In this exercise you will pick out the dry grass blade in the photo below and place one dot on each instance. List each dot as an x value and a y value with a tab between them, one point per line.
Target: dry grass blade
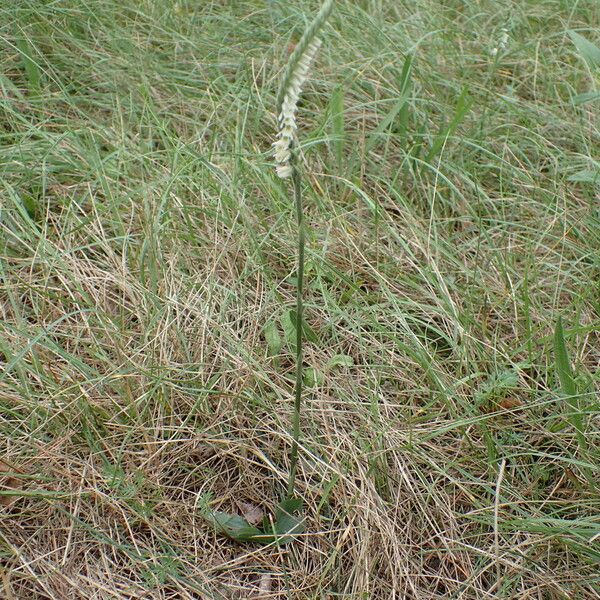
148	281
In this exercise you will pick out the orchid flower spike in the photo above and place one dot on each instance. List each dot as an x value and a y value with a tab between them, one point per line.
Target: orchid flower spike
294	78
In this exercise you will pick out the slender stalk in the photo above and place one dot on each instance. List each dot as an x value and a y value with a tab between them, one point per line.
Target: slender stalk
285	150
297	183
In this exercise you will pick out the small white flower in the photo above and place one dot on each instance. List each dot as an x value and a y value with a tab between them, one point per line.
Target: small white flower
287	117
502	42
284	171
282	150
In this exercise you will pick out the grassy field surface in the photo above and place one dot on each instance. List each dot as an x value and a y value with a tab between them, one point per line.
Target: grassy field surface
451	160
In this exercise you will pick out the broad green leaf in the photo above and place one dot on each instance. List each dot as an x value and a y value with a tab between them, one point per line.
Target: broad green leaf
288	323
588	50
586	176
313	377
289	329
233	526
281	530
30	205
307	330
290	505
286	523
32	69
567	382
272	338
340	360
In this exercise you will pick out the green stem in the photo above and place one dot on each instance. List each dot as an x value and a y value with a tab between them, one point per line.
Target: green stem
297	183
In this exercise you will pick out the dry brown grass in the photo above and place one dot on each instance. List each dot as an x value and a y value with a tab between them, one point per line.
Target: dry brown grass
145	243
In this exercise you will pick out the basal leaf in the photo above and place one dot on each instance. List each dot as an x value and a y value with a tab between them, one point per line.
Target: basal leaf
287	524
313	377
233	526
272	338
340	360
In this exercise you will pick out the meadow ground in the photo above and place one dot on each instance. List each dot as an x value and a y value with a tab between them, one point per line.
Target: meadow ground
147	273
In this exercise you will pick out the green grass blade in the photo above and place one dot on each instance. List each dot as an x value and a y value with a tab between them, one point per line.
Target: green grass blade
32	69
588	50
567	381
463	105
337	123
379	132
563	366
